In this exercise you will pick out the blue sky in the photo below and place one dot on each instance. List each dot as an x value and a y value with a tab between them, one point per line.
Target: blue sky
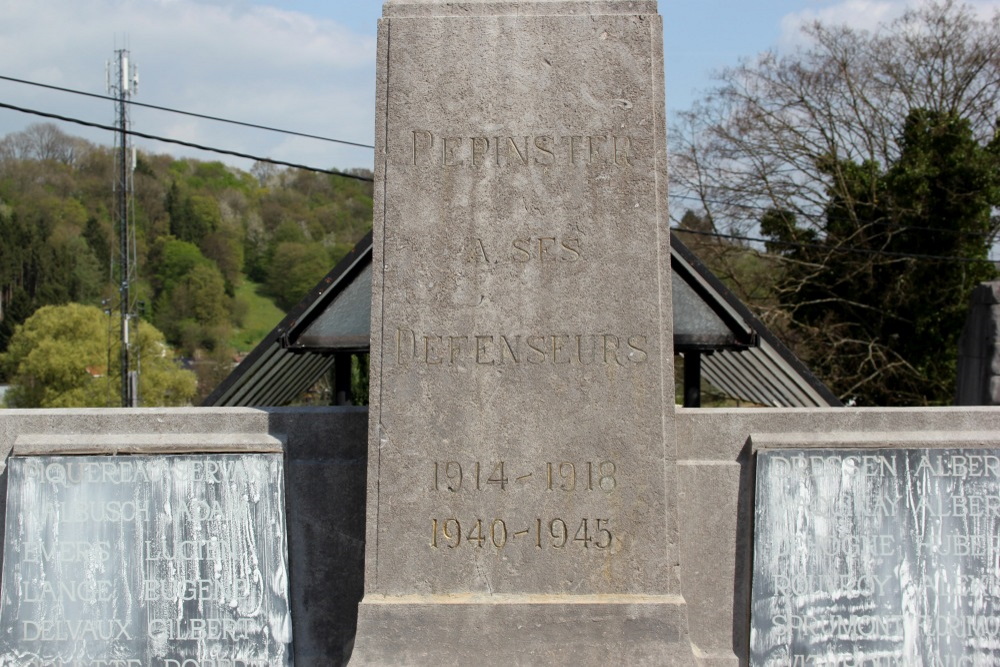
309	65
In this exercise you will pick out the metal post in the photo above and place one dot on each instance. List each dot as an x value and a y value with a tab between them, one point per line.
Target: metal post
122	84
123	226
692	379
342	379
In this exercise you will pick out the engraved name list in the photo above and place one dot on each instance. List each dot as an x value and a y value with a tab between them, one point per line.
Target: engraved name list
173	561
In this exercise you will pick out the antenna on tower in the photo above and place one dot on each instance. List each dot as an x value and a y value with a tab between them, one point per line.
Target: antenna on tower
123	82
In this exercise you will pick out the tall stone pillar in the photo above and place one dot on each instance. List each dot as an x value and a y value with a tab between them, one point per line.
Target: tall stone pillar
522	458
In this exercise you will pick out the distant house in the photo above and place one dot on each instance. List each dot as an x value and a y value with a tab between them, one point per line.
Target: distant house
720	340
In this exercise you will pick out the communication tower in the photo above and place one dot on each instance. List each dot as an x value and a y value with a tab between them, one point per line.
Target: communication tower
123	82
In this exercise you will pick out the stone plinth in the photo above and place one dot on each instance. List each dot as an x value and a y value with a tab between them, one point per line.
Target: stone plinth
521	469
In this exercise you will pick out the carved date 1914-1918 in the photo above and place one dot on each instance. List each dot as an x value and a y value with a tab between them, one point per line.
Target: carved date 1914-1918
543	533
565	476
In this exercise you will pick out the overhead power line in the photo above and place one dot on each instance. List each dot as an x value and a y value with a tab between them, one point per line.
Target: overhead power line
843	249
189	144
187	113
759	207
734	237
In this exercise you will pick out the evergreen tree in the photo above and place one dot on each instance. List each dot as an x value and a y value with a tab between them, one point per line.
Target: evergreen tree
900	251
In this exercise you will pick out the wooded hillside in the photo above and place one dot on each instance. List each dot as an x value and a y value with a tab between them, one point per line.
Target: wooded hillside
215	245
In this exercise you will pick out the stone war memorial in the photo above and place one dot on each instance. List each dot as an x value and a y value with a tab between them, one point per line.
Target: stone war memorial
523	489
520	469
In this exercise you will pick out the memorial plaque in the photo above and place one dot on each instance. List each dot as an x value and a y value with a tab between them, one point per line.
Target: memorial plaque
139	561
877	557
521	456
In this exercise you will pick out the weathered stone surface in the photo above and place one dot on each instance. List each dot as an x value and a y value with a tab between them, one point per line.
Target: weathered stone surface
716	471
145	560
876	556
325	471
524	630
325	464
522	381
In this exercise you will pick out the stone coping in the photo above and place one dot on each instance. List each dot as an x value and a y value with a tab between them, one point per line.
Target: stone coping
438	8
875	440
55	444
525	599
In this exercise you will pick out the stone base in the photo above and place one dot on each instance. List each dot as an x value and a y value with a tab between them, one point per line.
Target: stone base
523	630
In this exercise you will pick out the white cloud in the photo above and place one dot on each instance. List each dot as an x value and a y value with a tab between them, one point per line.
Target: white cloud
860	14
259	64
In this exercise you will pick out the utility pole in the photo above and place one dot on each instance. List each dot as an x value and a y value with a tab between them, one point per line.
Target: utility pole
123	81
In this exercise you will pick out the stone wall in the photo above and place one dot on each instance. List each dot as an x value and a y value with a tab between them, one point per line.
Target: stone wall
715	471
325	468
325	491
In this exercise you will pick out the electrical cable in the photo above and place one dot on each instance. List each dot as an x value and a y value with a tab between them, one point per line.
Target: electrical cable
185	113
736	237
179	142
844	249
359	145
758	207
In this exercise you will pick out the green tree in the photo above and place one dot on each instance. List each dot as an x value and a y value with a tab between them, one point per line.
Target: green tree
195	312
295	269
868	160
879	294
224	246
192	216
59	359
172	260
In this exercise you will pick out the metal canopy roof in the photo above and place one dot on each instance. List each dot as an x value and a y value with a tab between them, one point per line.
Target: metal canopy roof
764	372
739	355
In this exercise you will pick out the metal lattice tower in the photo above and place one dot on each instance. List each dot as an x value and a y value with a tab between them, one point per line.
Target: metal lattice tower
123	81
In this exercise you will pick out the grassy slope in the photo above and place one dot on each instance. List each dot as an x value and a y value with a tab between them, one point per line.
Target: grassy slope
261	316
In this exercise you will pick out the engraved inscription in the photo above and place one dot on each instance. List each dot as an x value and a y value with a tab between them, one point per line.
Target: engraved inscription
529	249
519	349
453	477
170	558
442	149
890	552
555	533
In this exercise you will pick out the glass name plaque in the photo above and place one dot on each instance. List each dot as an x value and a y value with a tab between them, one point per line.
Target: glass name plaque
876	557
136	561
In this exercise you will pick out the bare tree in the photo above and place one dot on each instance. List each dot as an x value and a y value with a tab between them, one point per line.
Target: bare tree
44	142
806	149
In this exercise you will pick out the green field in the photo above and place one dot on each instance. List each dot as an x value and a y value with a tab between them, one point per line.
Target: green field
259	317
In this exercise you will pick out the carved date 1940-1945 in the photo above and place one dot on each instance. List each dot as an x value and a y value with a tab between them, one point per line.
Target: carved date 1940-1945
542	533
565	476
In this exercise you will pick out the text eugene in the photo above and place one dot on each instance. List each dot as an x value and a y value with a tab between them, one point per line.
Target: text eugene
102	590
517	349
543	150
879	626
